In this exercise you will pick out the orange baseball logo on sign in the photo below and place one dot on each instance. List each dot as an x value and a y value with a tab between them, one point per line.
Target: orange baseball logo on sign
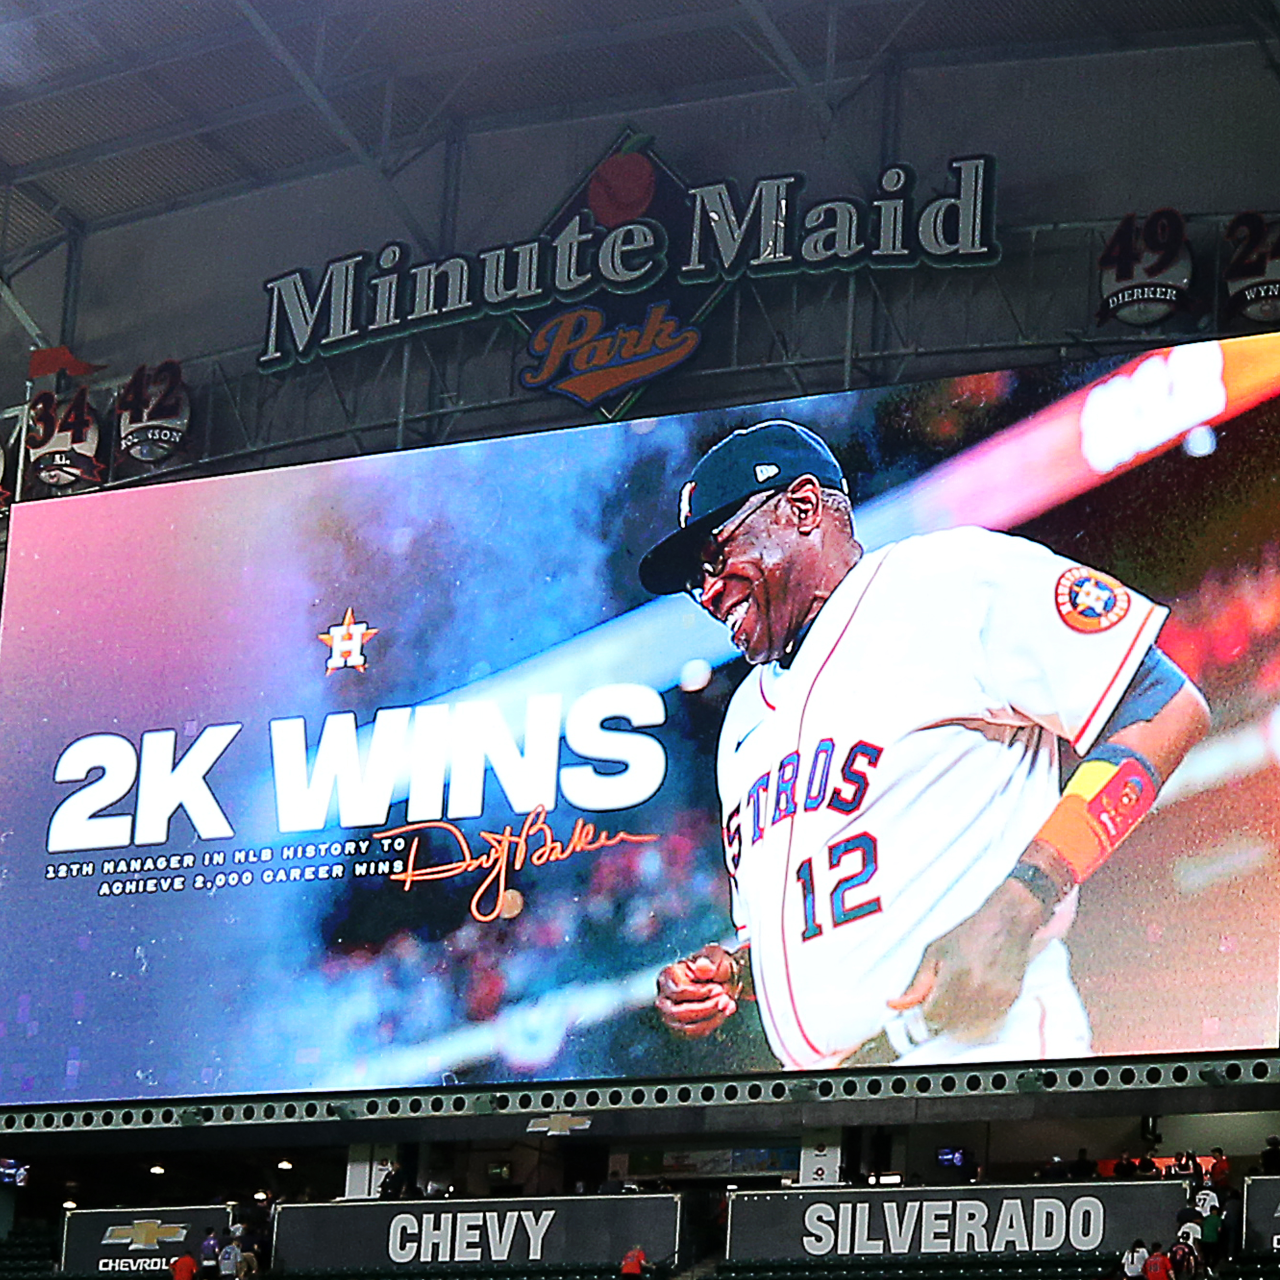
1090	601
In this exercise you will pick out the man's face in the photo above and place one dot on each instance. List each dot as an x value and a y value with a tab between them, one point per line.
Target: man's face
745	577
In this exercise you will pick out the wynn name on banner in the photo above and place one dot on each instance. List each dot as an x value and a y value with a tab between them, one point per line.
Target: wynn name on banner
953	1226
406	753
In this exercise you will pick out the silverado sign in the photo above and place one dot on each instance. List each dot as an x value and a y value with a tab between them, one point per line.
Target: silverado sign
841	1223
612	289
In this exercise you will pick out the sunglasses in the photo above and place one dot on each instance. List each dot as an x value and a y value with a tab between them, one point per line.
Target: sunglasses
713	559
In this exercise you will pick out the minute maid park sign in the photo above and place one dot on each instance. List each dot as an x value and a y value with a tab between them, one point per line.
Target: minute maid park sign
612	290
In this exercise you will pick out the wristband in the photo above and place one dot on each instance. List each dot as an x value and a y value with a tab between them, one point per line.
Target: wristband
1106	797
908	1030
1040	884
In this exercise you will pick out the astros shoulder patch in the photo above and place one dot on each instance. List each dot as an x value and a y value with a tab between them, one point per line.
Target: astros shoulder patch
1090	601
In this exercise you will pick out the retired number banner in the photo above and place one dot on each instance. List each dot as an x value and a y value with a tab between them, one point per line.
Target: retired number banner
775	1226
416	1234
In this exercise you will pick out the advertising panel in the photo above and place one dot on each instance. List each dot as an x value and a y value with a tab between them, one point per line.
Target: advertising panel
424	768
413	1235
1261	1215
778	1226
136	1240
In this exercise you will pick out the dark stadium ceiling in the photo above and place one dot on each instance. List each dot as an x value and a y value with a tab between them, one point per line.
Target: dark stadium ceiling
113	111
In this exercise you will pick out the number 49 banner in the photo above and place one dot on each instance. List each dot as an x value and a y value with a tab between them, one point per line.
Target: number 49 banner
1145	269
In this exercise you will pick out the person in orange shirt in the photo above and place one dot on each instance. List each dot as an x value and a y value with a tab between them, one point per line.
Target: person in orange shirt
1157	1265
184	1267
635	1263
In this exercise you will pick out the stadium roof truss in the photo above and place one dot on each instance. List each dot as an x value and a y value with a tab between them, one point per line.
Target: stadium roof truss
116	111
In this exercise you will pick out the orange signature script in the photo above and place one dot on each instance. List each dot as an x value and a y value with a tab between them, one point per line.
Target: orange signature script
507	851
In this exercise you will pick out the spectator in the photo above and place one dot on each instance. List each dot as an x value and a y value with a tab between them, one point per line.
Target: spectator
1205	1199
1232	1222
1147	1167
394	1183
1183	1257
184	1266
1133	1258
1269	1160
1157	1265
1125	1168
1219	1171
228	1258
209	1253
635	1263
1189	1219
1183	1166
1211	1238
1082	1169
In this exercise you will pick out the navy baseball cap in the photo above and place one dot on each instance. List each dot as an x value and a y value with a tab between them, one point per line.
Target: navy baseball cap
757	459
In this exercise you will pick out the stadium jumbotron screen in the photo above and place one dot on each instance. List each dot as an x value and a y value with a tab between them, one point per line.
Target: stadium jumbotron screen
389	772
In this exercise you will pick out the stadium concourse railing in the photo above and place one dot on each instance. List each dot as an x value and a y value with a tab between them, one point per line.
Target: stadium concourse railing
934	1085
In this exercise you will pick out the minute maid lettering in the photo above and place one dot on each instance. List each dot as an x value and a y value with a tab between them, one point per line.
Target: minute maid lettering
660	252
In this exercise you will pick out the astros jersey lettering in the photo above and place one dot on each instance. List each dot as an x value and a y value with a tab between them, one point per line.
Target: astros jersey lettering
876	792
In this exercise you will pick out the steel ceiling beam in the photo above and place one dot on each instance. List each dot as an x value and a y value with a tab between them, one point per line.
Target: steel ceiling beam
172	131
21	314
602	38
337	126
44	200
791	64
424	136
845	75
129	64
1263	17
883	54
39	15
29	256
1082	47
612	37
134	64
334	163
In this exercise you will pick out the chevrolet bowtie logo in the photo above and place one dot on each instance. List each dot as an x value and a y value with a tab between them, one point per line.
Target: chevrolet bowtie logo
147	1233
558	1125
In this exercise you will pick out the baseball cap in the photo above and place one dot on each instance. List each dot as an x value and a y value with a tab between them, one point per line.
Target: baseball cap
757	459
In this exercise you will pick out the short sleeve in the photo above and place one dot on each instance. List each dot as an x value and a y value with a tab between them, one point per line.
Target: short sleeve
1060	640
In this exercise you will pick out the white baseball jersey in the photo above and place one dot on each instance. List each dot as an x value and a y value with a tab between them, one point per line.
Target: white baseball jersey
877	791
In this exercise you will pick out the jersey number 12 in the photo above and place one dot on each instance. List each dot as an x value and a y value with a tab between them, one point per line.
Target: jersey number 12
862	846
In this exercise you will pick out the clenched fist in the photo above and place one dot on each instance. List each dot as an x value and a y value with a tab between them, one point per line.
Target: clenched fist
697	994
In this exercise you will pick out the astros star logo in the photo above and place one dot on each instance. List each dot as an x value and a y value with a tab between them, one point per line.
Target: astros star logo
1089	601
346	643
